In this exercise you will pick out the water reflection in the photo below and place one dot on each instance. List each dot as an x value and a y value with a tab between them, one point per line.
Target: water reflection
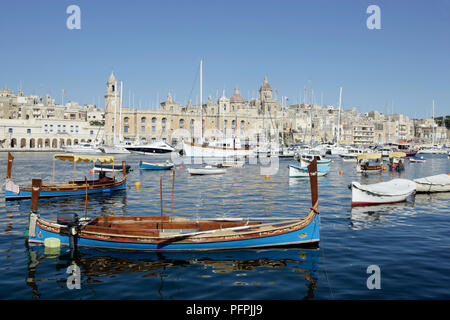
364	216
102	266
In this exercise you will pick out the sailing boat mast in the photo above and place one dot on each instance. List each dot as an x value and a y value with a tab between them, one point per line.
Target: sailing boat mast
339	117
432	132
201	102
120	112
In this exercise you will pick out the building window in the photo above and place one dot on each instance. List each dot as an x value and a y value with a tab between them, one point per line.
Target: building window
153	120
76	128
10	130
163	129
125	129
28	130
125	120
163	121
143	129
143	119
153	129
164	140
181	123
91	132
153	140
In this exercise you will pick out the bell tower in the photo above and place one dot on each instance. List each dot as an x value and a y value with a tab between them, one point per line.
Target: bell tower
111	105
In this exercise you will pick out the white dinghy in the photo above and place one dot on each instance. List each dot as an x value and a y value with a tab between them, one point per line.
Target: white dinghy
437	183
206	170
396	190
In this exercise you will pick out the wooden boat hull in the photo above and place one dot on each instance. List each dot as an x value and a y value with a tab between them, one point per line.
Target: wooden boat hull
369	170
52	191
154	166
364	195
304	233
300	172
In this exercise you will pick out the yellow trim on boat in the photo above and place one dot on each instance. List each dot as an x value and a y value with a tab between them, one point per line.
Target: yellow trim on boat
83	158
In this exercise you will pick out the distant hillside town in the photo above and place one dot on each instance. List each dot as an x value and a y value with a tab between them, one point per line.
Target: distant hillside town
33	123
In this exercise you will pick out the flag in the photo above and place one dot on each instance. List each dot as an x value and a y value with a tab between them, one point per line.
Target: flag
276	91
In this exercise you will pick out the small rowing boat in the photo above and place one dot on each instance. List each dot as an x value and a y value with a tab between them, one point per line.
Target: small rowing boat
110	168
205	171
103	184
417	159
155	166
301	172
396	190
436	183
167	233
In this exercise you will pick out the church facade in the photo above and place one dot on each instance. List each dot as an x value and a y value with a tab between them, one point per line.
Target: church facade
233	117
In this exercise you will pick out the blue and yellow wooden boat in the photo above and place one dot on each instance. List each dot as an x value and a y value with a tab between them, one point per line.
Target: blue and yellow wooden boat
164	233
103	184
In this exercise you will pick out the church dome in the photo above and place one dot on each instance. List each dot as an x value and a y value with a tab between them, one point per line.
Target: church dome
265	85
236	97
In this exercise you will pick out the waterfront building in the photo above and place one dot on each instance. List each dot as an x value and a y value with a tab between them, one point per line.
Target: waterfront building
38	124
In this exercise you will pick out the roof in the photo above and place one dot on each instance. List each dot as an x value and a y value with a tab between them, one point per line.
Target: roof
397	155
367	156
236	97
83	158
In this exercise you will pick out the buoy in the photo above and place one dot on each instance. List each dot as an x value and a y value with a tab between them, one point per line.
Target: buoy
341	172
332	161
91	171
181	167
52	243
171	174
267	176
384	168
137	184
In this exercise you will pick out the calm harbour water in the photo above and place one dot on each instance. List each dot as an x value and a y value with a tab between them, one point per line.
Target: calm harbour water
410	242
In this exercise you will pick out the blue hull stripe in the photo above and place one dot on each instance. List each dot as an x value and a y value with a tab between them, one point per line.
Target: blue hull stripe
308	235
48	194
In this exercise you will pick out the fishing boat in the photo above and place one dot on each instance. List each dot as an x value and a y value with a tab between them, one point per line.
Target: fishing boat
205	171
168	233
103	184
417	159
406	148
351	154
397	161
396	190
306	159
110	168
369	163
155	166
301	172
436	183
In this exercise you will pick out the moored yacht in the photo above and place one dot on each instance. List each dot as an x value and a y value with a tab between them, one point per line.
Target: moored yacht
159	147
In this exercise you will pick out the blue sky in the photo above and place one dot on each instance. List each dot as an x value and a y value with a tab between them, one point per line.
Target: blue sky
155	47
